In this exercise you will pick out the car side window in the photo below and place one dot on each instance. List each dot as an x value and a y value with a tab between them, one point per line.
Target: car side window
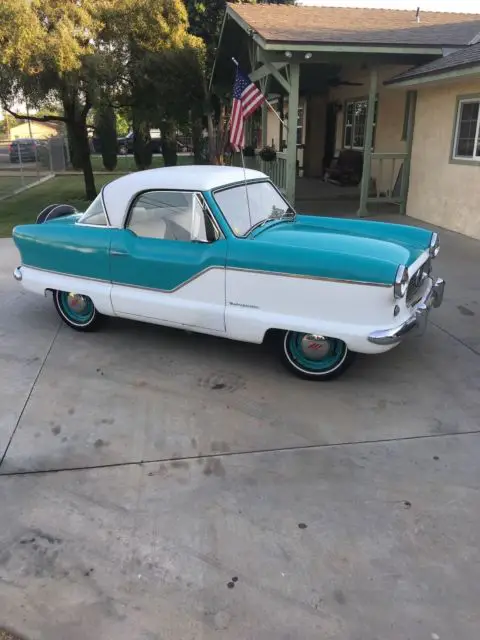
170	215
95	214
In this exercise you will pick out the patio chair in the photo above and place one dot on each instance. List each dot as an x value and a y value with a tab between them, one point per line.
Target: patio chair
347	169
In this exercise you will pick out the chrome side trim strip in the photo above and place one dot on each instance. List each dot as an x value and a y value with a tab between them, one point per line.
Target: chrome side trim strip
204	271
308	277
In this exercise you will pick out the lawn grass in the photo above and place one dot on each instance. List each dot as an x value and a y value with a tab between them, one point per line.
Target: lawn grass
24	207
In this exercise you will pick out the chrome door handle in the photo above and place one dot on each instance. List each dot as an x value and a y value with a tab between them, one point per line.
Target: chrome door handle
118	253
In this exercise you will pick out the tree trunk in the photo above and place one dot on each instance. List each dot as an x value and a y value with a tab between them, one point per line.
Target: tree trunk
107	133
142	148
73	148
198	140
82	137
76	120
169	143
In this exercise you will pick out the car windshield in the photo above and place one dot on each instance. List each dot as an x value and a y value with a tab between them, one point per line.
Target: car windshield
246	207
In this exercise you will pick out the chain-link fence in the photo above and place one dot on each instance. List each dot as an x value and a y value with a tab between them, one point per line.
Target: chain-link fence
26	161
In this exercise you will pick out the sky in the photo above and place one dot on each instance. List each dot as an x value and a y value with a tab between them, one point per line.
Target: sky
460	6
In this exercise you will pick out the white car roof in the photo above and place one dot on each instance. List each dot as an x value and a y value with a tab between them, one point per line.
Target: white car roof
117	195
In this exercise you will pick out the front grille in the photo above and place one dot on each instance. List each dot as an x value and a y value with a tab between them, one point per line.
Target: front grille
416	282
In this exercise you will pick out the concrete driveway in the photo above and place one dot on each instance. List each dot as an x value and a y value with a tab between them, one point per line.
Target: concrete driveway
161	485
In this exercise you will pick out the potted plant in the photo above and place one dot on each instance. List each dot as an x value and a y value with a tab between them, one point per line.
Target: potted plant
268	154
249	151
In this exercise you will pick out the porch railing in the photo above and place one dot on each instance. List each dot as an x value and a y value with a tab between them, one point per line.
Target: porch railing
390	178
276	170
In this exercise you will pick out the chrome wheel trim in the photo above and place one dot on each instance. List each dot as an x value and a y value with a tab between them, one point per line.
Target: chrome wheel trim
313	374
68	318
76	302
315	347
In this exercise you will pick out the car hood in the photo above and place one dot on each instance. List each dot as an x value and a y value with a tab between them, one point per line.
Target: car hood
358	250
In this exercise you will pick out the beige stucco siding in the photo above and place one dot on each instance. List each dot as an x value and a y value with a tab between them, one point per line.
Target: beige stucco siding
441	192
391	106
390	118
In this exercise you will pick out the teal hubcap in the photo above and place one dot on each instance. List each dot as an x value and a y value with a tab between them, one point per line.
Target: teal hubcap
315	353
76	307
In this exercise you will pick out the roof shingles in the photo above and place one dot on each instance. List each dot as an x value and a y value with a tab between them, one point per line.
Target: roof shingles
465	58
323	25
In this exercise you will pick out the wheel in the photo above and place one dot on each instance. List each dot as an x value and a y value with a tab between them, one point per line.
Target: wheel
315	357
76	310
122	150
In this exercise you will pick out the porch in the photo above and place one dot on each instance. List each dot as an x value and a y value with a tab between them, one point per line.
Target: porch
314	195
325	100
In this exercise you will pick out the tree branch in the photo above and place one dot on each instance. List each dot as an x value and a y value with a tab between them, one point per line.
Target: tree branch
46	118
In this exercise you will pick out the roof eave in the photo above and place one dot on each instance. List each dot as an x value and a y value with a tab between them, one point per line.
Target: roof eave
245	26
352	47
430	77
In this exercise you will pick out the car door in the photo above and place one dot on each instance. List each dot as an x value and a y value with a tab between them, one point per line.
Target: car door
168	263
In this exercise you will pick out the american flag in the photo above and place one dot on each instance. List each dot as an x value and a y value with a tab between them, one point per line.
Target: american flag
246	99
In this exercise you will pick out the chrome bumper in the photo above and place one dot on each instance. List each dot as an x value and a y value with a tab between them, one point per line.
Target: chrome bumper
417	323
17	274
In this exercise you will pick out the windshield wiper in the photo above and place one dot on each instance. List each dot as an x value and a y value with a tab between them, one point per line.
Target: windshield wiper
289	213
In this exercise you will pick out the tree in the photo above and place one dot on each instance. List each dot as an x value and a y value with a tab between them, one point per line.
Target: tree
49	51
107	133
158	64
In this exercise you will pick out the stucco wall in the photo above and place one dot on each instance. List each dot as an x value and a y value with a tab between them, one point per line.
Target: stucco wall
440	192
391	106
273	128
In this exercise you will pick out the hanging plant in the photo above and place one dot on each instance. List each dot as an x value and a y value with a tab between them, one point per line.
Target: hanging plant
249	152
268	154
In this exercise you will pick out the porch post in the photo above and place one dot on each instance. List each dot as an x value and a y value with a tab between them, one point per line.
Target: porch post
293	98
264	88
367	151
412	105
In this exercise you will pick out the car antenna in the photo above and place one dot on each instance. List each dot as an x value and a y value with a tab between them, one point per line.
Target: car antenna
246	188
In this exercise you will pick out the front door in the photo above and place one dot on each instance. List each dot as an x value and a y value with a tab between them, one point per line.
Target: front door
168	263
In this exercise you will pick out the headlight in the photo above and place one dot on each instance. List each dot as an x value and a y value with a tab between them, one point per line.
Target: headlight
401	282
434	245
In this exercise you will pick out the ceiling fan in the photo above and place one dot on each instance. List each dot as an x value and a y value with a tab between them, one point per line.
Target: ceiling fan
338	82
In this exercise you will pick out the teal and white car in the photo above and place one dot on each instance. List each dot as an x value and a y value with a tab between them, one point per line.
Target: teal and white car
220	251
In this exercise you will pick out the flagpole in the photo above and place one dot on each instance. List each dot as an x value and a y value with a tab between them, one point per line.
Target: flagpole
269	104
246	186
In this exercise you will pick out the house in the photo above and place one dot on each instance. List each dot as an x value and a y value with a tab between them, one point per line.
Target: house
400	88
37	130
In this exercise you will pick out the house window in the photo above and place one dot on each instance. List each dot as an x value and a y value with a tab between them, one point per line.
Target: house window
355	124
467	131
300	125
